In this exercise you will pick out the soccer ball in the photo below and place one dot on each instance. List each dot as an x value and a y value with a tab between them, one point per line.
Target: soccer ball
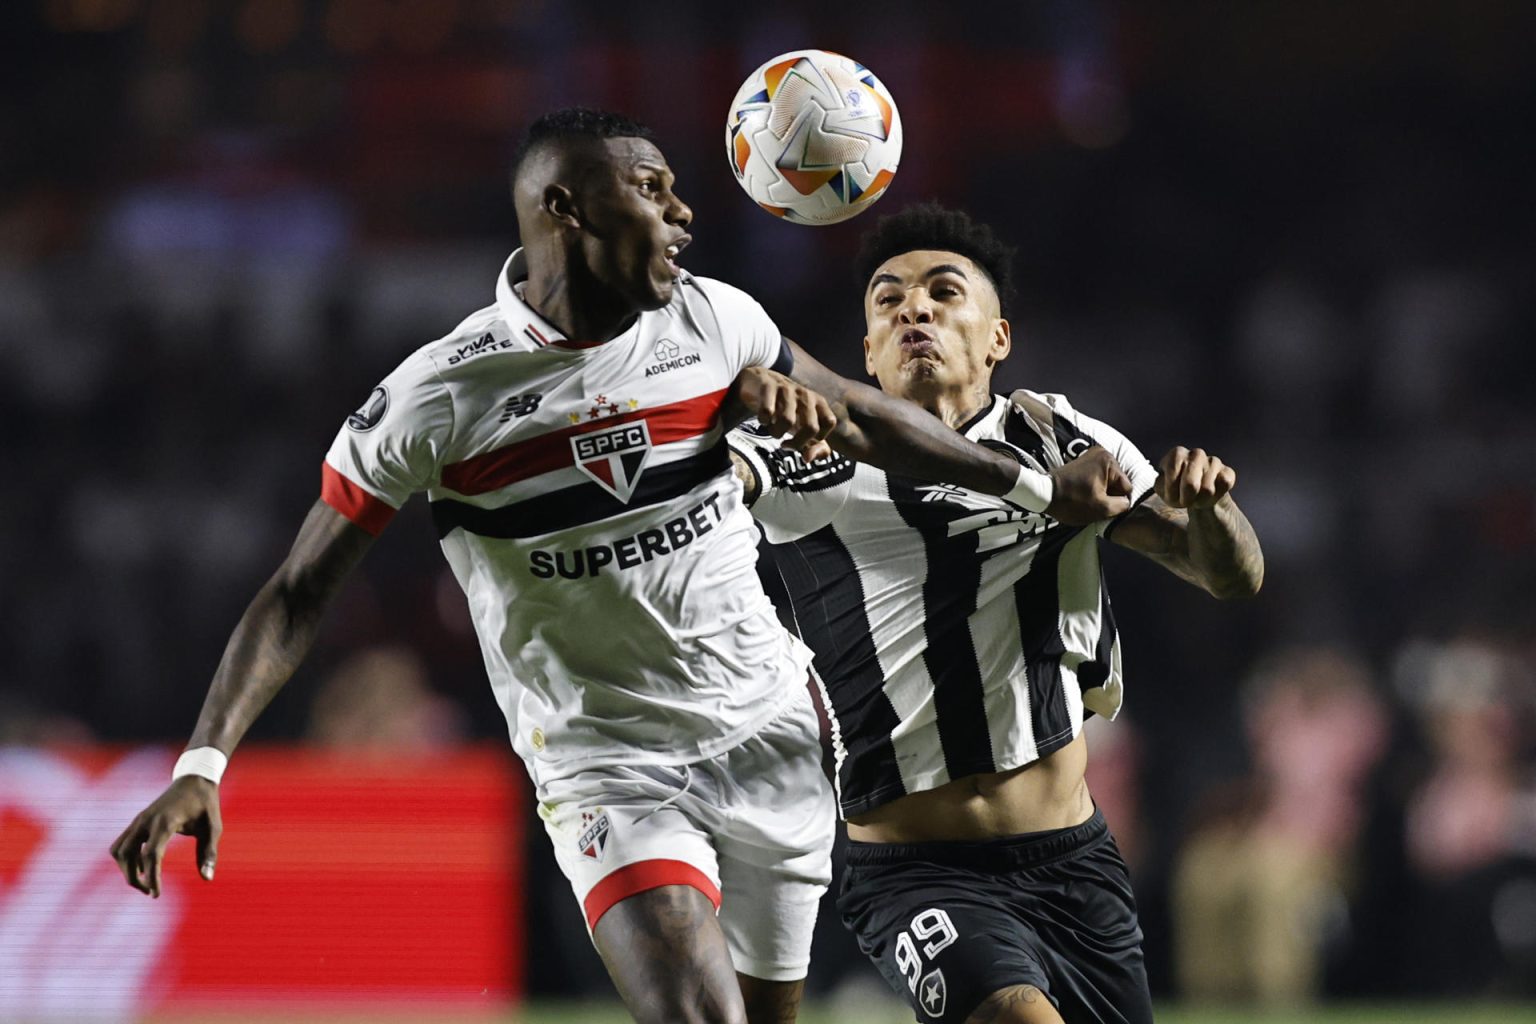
813	137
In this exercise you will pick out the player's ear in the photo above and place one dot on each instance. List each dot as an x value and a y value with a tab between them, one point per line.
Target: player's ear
869	358
560	203
1002	341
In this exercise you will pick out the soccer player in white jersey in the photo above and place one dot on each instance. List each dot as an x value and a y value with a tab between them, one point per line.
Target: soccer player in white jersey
570	440
962	639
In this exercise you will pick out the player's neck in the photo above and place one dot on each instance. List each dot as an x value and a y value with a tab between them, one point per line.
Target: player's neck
956	408
575	303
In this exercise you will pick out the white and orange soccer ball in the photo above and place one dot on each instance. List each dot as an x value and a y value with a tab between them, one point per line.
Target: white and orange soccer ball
813	137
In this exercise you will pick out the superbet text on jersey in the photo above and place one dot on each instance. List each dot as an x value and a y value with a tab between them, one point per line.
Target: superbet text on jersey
583	496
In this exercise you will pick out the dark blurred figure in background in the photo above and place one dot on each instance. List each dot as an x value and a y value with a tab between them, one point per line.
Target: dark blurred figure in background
1262	882
1470	827
380	700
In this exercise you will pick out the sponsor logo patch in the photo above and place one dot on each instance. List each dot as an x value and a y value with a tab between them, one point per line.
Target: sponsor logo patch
614	457
628	552
593	840
485	343
372	411
670	356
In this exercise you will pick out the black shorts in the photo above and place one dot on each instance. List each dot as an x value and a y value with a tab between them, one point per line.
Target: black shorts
949	923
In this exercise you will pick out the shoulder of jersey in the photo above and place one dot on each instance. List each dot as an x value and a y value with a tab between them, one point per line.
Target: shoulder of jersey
714	291
1019	399
481	336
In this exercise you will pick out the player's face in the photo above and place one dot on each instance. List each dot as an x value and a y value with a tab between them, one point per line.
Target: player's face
634	225
933	325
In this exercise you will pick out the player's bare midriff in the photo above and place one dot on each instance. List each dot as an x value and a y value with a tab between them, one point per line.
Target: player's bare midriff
1044	794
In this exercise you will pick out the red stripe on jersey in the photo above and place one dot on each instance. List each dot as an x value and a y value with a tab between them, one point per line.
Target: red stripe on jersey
823	729
522	460
353	502
642	876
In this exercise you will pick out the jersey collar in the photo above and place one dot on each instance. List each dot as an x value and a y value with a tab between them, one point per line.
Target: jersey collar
524	322
520	317
983	414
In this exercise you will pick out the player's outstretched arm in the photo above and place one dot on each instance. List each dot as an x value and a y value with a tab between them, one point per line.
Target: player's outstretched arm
901	437
1191	526
784	407
270	641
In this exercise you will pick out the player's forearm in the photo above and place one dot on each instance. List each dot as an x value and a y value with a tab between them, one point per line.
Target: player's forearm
1224	551
279	627
902	438
268	645
743	472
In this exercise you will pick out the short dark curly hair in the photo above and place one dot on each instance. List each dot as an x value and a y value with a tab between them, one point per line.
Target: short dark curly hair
933	226
577	122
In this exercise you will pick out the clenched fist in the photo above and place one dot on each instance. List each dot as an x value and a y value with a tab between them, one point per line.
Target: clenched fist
1192	479
1090	488
783	406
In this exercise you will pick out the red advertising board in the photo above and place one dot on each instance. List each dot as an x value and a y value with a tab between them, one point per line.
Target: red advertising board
343	881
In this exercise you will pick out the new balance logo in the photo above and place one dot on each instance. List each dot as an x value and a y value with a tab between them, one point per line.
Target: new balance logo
520	406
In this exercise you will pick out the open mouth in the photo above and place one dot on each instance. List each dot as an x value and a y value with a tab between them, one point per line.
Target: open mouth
672	251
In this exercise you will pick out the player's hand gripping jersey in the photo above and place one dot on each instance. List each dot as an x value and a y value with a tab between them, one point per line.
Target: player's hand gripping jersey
583	497
956	633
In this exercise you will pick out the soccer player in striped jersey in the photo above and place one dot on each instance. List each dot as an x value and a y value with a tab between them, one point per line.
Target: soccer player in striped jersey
570	439
962	639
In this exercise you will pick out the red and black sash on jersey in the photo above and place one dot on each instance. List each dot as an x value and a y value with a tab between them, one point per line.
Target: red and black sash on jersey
580	504
592	500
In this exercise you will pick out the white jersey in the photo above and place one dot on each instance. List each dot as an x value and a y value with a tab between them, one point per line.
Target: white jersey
584	500
955	632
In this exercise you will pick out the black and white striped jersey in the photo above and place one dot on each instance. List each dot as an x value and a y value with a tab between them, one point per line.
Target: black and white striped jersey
954	632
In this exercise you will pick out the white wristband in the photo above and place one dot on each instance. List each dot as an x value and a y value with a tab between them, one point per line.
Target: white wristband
1034	490
206	762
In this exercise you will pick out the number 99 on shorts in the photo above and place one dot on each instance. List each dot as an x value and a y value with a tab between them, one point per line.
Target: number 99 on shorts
936	932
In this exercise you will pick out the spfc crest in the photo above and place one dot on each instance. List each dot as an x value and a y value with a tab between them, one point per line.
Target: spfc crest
614	456
593	840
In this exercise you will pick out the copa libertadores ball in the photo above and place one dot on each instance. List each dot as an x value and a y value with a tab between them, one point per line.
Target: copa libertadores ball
813	137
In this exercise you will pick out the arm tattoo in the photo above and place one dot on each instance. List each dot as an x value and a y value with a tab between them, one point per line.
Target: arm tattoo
1215	549
1225	550
748	479
996	1007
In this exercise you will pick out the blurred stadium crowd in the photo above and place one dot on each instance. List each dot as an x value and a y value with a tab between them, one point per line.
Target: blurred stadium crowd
1295	235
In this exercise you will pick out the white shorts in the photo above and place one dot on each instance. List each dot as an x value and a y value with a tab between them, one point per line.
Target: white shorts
750	828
